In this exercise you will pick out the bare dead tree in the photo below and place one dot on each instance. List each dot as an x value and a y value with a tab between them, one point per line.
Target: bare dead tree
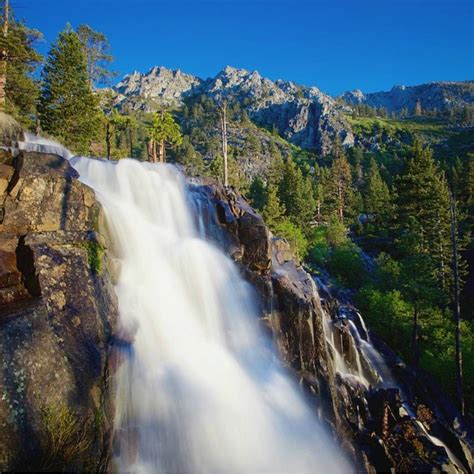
457	307
4	54
223	117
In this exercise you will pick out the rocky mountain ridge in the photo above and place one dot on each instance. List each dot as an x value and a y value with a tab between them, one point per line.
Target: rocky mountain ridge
440	96
305	116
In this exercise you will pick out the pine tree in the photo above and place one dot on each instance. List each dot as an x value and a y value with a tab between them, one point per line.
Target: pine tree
258	193
164	131
273	210
296	194
68	109
340	195
377	195
114	122
356	160
190	158
21	61
96	49
465	194
423	212
277	165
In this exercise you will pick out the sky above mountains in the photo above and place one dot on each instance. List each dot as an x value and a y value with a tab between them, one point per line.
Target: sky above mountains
337	45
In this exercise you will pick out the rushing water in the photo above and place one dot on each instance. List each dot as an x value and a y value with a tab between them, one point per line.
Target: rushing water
198	390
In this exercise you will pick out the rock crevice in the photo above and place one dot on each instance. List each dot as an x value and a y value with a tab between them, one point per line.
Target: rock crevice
57	318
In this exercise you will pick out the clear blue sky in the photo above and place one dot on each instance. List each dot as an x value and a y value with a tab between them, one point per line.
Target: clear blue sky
336	45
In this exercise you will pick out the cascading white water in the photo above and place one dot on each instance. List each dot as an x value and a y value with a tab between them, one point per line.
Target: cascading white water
43	145
198	390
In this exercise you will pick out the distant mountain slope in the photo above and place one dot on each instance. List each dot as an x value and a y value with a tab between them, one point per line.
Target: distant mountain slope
439	96
303	115
171	87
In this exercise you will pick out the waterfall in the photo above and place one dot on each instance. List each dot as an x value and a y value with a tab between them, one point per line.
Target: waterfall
34	143
199	389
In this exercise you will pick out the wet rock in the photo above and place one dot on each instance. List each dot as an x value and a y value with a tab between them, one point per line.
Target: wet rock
57	317
10	132
382	429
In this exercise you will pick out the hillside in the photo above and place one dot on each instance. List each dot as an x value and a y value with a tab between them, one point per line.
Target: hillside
307	117
439	96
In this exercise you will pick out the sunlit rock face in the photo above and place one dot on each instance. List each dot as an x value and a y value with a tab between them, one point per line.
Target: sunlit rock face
303	115
57	314
438	96
168	87
386	415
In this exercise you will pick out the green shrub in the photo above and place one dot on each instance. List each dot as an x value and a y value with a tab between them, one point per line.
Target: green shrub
346	265
67	438
389	315
336	234
294	236
95	254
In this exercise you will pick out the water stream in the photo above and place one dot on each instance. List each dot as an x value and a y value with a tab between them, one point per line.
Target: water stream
198	389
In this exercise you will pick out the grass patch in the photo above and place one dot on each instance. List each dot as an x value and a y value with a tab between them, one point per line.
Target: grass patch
429	127
66	438
95	256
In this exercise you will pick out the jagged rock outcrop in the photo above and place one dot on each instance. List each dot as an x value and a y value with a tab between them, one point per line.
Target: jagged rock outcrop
304	116
57	315
166	86
440	96
382	426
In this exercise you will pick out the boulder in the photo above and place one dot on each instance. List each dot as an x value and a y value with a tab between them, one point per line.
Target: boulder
57	318
371	423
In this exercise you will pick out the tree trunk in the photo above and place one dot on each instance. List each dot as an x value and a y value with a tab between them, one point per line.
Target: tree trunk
414	338
224	141
457	308
162	152
152	151
130	138
107	139
3	58
340	210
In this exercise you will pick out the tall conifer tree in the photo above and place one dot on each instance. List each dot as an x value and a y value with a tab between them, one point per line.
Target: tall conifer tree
68	108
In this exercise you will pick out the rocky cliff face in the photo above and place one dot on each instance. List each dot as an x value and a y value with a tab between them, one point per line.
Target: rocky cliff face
304	116
401	425
439	96
57	314
166	86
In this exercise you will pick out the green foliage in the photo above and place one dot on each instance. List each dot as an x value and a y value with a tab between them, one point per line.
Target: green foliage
68	109
66	438
377	203
296	194
294	235
422	218
347	266
388	315
23	60
96	49
431	128
340	196
257	193
164	128
336	234
273	211
95	256
190	158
